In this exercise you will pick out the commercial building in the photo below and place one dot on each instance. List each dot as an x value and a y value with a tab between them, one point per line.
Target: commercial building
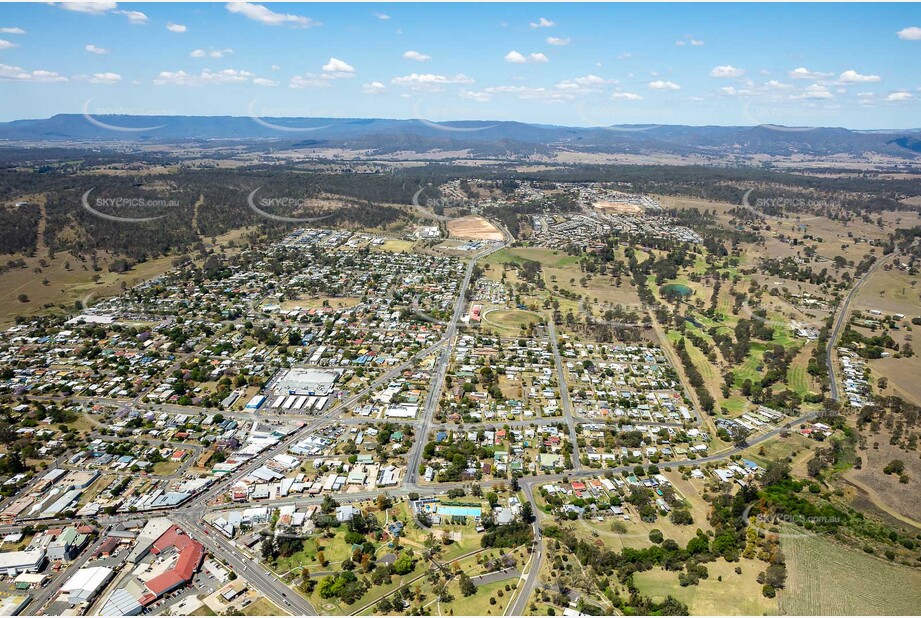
12	563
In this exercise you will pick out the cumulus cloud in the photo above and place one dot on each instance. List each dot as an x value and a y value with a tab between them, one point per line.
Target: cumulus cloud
543	22
95	50
557	41
481	97
726	71
663	85
205	78
804	73
95	8
382	16
627	96
214	53
177	28
262	81
373	88
4	44
815	91
430	81
336	68
263	15
417	56
853	77
16	74
12	31
900	96
912	33
517	58
105	78
135	17
776	85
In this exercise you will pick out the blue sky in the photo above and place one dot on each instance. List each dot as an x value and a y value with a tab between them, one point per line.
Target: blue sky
851	65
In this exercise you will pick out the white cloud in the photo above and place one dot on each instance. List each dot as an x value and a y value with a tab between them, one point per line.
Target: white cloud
374	88
261	81
430	81
776	85
275	67
258	12
516	58
543	22
95	8
804	73
557	41
12	31
382	16
726	71
732	91
473	95
105	78
697	43
16	74
624	56
177	28
135	17
912	33
853	77
815	91
310	80
336	68
680	43
417	56
205	78
627	96
4	44
95	50
663	85
900	96
214	53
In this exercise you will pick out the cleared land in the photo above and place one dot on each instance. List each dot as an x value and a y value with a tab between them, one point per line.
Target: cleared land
474	228
825	578
736	594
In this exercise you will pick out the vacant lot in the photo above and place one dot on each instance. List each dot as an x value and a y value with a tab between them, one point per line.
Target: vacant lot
825	578
902	374
736	594
473	227
886	488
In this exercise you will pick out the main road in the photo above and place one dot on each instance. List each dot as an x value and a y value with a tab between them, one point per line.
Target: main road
841	318
441	368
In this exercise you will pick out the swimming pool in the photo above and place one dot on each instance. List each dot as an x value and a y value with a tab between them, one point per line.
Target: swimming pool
459	511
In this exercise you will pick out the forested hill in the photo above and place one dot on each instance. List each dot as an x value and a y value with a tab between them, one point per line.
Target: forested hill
487	137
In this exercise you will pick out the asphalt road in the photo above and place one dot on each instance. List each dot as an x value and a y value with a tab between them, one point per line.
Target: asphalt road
564	396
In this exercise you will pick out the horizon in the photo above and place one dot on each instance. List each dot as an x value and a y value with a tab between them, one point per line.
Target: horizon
574	65
467	120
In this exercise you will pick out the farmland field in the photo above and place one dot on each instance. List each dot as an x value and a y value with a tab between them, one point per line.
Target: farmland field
825	578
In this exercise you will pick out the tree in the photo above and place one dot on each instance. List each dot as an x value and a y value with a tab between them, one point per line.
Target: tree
403	564
467	587
896	466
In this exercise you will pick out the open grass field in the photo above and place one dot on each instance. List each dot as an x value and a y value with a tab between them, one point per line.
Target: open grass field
736	594
902	374
474	228
511	319
826	578
394	245
336	302
263	607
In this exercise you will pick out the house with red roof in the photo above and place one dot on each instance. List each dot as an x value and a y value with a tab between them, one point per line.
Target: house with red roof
191	553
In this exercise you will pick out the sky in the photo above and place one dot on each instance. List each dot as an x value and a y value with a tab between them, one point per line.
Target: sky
849	65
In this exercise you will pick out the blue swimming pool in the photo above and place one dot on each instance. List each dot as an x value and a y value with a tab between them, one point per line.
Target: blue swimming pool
459	511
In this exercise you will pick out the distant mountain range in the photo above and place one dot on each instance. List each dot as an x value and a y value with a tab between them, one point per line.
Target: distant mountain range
481	137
